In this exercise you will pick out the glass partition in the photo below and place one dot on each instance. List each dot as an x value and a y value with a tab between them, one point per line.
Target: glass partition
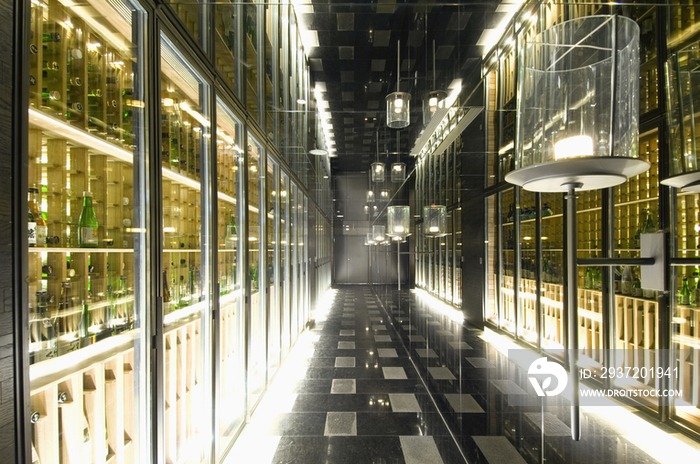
87	281
257	357
285	271
185	134
231	388
250	49
273	266
227	47
293	262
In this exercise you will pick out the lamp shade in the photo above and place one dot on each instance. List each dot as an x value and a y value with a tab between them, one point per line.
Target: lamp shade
369	240
578	106
398	110
378	172
398	172
370	196
378	233
435	221
683	77
433	101
398	221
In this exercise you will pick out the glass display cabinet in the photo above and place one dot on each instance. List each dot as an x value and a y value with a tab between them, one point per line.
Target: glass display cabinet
115	137
87	232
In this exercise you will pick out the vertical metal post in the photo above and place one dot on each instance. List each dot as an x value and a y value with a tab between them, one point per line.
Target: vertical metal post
572	303
398	259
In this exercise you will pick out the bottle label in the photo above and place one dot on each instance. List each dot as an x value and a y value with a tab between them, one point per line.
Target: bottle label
31	233
88	236
41	236
626	287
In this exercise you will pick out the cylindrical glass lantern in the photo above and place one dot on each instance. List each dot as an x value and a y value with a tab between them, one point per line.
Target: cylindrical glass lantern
433	101
377	172
369	240
435	221
370	196
398	172
378	233
398	110
398	221
578	111
683	77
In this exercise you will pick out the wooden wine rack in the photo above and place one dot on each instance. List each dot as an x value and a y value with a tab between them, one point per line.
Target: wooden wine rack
98	395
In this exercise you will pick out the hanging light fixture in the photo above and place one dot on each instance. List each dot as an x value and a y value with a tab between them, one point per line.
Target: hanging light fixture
370	196
398	104
435	221
369	241
378	172
398	172
434	100
578	129
398	221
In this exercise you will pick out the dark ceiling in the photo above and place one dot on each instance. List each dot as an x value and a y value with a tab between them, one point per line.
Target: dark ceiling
356	64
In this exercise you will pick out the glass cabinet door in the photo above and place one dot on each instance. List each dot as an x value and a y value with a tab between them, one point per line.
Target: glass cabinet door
251	49
285	273
87	254
256	261
231	389
508	260
185	133
293	260
273	266
226	42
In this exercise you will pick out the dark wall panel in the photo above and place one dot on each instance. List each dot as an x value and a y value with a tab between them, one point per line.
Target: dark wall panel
350	260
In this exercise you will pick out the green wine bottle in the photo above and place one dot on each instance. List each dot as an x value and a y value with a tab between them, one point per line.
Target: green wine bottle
684	297
87	224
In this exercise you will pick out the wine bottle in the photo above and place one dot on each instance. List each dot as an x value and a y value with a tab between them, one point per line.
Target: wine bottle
50	37
684	296
588	278
87	224
36	220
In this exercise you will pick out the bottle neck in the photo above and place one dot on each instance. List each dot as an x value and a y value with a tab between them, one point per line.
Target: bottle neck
87	202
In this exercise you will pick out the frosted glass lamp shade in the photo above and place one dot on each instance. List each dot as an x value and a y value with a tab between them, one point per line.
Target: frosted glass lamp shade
433	101
683	77
398	221
398	110
435	221
368	239
378	233
398	172
370	196
578	111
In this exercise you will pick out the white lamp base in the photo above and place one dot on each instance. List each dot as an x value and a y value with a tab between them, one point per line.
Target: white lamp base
689	182
592	172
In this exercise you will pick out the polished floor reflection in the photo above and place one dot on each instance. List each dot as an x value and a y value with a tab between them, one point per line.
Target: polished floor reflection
356	390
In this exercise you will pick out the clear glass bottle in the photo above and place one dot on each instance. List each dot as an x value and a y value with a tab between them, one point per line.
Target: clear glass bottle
626	281
37	224
87	224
